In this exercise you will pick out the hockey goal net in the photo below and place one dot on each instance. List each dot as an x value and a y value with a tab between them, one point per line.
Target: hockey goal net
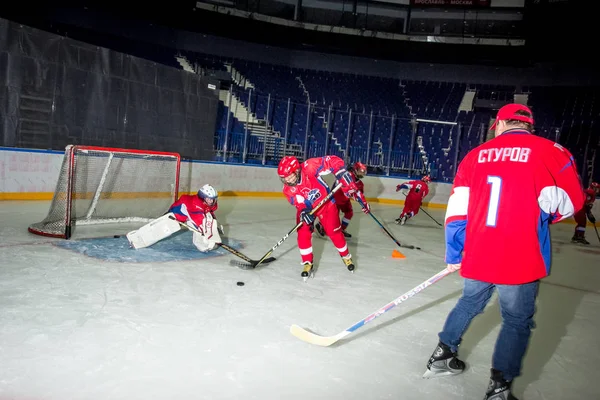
109	185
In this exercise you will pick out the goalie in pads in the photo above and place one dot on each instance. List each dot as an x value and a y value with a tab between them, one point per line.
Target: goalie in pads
196	211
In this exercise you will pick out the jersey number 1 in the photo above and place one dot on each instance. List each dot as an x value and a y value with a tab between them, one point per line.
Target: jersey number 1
492	214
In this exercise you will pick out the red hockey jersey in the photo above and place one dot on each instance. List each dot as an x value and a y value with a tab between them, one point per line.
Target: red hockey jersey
193	208
416	189
311	188
505	194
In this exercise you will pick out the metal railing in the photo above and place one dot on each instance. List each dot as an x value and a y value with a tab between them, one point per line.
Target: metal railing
262	128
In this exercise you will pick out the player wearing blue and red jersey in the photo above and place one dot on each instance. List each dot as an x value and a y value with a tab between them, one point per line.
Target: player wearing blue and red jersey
195	207
304	188
198	211
505	195
195	211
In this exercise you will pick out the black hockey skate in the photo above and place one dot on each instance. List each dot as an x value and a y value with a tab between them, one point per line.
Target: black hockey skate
580	240
498	388
346	234
401	220
443	362
320	229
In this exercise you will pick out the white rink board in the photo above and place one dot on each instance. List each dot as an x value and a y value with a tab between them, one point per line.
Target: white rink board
36	172
29	172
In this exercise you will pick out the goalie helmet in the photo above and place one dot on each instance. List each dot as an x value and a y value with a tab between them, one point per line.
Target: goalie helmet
208	194
289	165
360	169
426	179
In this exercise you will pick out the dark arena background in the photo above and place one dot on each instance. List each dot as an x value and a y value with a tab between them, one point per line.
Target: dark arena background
400	86
406	87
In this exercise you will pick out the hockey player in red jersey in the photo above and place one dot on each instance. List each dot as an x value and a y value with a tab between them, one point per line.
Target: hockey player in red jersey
357	171
417	191
196	211
585	213
515	177
304	187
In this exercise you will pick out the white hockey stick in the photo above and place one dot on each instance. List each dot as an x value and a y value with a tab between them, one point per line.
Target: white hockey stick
325	341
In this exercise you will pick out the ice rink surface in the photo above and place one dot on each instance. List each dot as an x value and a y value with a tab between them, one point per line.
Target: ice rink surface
90	320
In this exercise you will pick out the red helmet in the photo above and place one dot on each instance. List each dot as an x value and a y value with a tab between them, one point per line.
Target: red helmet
426	179
287	166
595	187
359	169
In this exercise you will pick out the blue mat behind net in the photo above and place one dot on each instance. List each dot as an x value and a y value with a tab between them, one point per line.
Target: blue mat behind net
177	247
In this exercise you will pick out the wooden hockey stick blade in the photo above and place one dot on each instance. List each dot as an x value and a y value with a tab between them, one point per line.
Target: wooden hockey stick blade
312	338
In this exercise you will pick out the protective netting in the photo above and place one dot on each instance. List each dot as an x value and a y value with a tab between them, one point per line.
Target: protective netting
55	91
103	185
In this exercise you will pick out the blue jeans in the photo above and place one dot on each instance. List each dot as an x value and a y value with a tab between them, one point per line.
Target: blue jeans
517	306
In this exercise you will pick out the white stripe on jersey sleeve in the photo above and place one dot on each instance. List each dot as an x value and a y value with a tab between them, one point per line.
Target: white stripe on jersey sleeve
458	203
556	202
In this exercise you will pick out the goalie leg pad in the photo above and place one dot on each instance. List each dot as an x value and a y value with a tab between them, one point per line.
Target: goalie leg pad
153	232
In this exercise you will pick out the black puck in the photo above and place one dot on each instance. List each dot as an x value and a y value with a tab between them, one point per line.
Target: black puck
240	283
117	236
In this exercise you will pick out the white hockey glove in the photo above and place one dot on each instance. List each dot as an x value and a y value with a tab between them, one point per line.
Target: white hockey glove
453	267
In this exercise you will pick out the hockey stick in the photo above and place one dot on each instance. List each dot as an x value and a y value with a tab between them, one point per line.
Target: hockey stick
386	231
254	264
325	341
596	229
223	246
426	213
434	220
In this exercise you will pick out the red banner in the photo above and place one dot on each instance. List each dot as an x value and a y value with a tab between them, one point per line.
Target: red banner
450	3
